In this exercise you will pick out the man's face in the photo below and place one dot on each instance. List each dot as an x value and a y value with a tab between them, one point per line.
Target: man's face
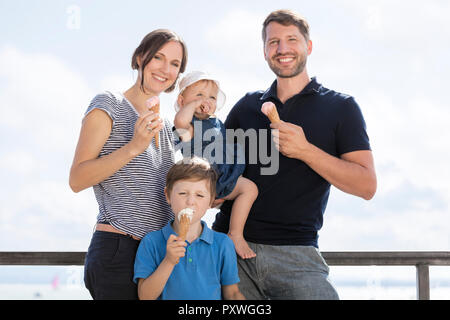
286	50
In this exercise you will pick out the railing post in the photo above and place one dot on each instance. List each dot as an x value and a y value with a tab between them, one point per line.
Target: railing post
423	281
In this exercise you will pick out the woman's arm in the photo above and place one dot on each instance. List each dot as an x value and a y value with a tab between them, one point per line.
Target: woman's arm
87	169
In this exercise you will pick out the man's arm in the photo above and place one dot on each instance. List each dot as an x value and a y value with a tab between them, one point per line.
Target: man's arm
353	172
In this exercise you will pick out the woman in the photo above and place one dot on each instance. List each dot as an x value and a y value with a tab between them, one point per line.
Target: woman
117	155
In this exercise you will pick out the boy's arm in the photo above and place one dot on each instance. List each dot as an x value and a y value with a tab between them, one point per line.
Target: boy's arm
231	292
151	287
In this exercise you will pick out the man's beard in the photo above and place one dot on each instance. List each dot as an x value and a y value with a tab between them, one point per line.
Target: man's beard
288	73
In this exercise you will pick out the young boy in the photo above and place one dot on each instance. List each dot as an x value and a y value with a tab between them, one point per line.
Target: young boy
204	266
199	97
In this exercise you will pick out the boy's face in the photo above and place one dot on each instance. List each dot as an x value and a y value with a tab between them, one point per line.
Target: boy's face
202	90
190	194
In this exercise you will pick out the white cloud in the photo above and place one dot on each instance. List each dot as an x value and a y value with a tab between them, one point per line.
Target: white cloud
43	101
406	219
46	215
18	162
116	82
409	134
393	21
389	230
410	209
237	36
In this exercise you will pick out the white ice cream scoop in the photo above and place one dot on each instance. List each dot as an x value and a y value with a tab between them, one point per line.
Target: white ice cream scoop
187	212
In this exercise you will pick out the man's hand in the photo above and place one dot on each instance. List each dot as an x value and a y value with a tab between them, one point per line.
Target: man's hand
290	139
352	172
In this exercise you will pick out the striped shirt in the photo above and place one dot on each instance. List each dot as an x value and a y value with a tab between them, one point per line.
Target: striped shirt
132	199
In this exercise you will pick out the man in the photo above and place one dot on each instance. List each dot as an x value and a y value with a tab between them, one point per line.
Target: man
322	141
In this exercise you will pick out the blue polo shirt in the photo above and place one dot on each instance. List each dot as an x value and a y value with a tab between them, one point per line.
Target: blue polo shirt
291	203
209	263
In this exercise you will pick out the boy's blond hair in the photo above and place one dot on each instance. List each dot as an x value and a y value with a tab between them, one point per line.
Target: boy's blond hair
194	169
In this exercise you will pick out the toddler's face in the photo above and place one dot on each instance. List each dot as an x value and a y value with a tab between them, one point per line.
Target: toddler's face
190	194
207	92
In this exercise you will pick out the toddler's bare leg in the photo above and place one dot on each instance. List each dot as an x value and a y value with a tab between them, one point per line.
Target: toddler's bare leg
244	194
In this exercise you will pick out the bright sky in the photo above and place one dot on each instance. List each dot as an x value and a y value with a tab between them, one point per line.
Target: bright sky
392	56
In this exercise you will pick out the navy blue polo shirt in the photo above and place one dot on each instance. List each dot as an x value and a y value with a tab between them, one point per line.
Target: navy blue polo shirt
291	203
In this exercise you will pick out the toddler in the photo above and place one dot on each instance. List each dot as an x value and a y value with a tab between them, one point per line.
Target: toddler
199	97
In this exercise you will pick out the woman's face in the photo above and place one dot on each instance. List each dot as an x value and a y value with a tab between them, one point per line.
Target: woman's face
162	71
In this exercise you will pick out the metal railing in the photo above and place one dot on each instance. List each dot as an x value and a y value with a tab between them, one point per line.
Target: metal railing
420	259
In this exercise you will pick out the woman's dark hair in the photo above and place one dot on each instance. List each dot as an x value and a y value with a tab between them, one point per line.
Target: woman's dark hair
150	45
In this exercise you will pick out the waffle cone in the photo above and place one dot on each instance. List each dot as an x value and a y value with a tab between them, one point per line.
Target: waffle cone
156	110
184	226
273	116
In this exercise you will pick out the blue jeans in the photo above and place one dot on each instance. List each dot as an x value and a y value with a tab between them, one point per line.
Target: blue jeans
286	273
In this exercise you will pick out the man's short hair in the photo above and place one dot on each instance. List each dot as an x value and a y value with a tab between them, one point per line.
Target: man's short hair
194	169
287	18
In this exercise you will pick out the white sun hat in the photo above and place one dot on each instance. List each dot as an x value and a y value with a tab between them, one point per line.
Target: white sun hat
193	77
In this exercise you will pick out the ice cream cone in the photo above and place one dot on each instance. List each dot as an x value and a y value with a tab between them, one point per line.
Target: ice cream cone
156	110
153	103
270	110
184	226
184	218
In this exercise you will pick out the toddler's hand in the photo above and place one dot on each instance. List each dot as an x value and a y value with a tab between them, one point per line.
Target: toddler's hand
194	105
205	108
